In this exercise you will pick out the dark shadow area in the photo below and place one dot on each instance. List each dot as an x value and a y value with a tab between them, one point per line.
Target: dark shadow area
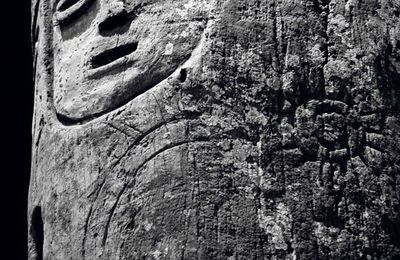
37	232
16	121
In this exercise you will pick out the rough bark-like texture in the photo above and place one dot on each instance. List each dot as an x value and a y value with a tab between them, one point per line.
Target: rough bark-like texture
216	129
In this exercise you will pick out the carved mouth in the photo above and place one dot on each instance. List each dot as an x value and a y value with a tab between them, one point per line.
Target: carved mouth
112	55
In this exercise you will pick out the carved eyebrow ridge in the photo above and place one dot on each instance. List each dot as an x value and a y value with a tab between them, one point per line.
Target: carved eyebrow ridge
68	10
65	4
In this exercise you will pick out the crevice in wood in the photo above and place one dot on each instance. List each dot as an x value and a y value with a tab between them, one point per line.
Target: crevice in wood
37	232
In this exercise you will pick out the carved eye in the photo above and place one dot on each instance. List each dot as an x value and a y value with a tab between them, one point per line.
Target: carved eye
69	10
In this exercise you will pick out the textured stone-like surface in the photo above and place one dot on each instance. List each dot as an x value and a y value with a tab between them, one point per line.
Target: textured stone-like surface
221	129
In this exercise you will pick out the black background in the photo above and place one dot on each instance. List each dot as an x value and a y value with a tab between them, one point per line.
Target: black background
17	107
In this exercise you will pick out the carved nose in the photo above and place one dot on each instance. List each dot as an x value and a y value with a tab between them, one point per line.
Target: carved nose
116	21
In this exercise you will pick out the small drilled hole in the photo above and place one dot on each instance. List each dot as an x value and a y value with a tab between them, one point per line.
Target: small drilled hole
183	75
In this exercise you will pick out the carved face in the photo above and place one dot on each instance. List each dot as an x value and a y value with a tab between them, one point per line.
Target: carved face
109	51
